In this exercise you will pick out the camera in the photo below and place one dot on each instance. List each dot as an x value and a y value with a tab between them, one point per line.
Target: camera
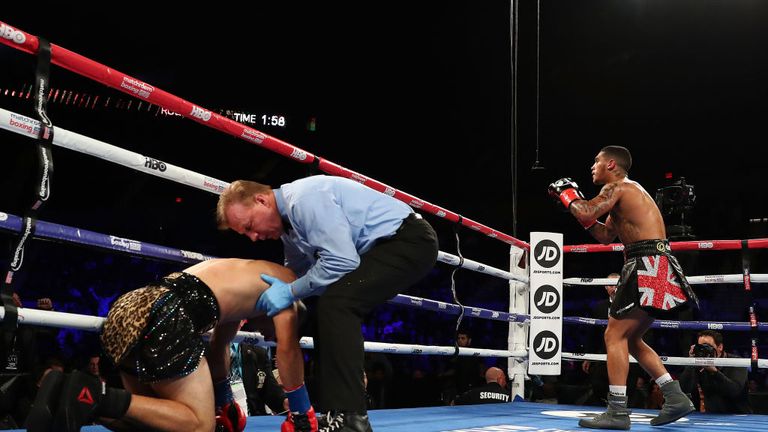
703	350
676	203
677	198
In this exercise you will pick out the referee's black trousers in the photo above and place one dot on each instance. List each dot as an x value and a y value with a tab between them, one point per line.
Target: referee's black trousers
387	269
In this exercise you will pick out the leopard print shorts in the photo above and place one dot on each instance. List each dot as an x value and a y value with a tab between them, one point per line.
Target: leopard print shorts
127	320
155	333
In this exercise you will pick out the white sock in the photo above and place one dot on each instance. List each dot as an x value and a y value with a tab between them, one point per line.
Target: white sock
617	390
663	379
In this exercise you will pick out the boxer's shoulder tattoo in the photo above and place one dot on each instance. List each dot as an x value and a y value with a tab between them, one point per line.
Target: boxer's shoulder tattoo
608	190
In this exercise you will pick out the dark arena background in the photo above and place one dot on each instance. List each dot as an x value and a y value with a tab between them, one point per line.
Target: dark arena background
447	101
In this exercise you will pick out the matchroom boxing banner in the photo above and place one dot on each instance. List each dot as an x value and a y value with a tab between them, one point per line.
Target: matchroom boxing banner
546	304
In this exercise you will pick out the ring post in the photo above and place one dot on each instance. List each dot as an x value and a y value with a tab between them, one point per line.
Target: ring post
518	331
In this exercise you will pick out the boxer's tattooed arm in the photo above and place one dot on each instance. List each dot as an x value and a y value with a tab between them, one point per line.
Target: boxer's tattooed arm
597	206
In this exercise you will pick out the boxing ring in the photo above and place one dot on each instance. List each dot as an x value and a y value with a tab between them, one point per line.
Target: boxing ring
519	416
523	416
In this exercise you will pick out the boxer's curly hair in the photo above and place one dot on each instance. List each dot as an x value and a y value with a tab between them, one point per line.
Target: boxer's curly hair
620	154
239	191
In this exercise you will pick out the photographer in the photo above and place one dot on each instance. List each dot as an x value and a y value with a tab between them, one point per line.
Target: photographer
715	389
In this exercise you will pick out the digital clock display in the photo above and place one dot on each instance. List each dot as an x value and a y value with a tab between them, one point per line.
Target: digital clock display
273	120
257	120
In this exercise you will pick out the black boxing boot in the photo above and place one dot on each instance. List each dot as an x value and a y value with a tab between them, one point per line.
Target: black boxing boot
616	416
84	398
347	422
41	413
676	404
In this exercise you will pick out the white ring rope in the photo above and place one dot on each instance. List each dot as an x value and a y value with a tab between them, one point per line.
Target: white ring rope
479	267
58	319
29	127
94	324
693	280
392	348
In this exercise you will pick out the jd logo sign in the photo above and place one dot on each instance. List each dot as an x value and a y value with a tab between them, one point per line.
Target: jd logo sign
547	253
546	299
546	345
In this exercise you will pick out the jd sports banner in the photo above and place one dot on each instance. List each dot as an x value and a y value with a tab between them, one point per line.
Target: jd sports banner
546	304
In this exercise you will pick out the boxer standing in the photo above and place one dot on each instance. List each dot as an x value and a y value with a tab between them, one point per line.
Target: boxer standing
651	283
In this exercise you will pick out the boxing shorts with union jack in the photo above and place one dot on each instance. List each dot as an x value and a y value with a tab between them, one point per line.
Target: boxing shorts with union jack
652	280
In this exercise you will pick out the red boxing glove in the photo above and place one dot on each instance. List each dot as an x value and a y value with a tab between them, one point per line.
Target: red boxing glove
230	418
565	191
306	422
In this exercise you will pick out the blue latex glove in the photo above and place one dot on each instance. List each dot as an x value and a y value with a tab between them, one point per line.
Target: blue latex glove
276	298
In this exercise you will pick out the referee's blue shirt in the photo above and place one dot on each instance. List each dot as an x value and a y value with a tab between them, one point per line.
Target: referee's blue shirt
331	222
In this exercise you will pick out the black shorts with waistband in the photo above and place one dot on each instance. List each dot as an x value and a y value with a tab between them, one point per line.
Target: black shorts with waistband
652	280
